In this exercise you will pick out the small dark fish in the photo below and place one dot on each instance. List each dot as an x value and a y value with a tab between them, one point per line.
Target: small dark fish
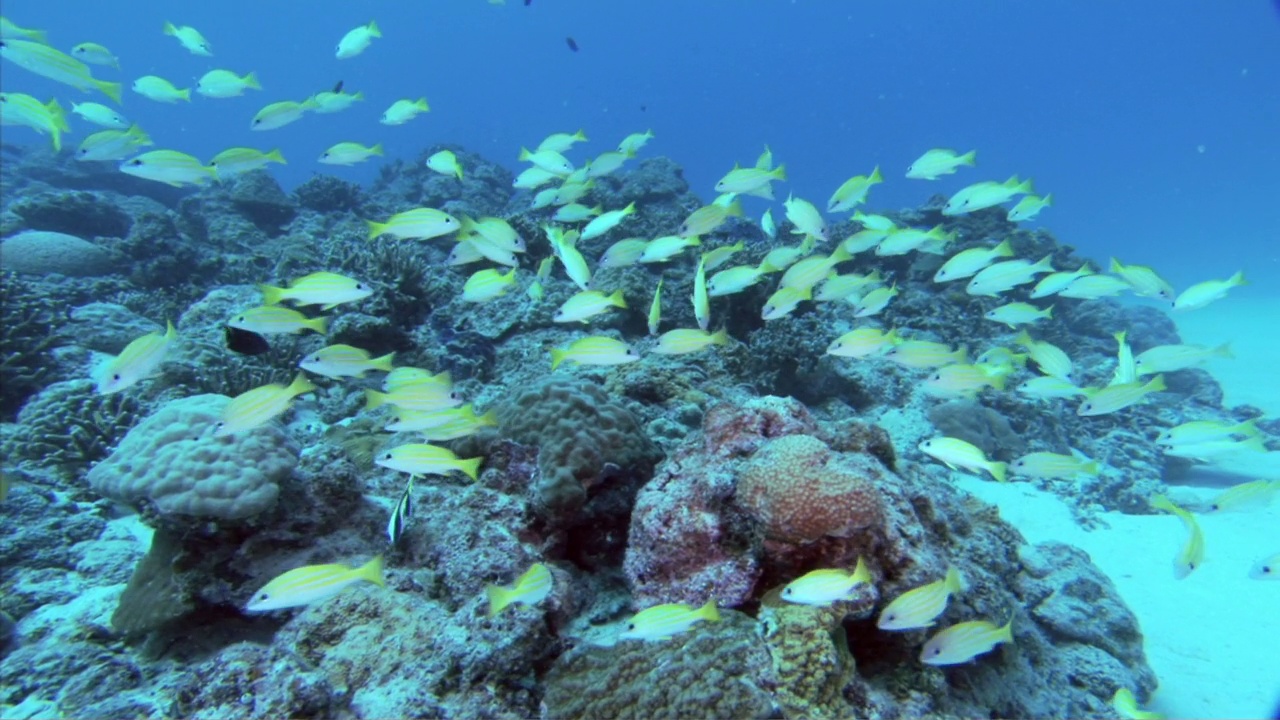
338	88
246	342
403	511
573	44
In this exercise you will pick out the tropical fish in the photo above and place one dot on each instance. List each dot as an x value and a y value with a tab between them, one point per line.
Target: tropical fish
587	304
783	301
337	361
956	454
633	142
919	354
560	142
1203	293
274	319
919	607
574	213
139	360
709	218
1126	706
278	114
444	162
1029	207
1048	357
154	87
875	301
531	588
100	114
663	621
11	31
733	280
1191	556
1267	568
259	406
663	249
21	109
1056	282
420	224
999	277
402	111
1092	286
313	583
190	38
226	84
979	196
863	342
606	221
401	513
964	380
1053	465
55	65
683	341
547	160
826	586
486	285
605	163
1201	431
1144	281
965	641
853	191
1168	358
332	101
427	459
169	167
594	350
938	162
755	181
350	154
357	40
806	218
245	342
112	144
1112	398
1245	496
1019	313
239	160
319	288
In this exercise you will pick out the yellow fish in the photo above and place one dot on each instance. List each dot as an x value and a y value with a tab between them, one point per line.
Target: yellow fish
587	304
279	114
918	608
112	144
1144	281
357	40
273	319
319	288
259	406
20	109
169	167
100	114
633	142
226	84
806	218
427	459
606	221
965	641
154	87
853	191
823	587
1118	397
1191	556
921	354
1126	706
337	361
1054	465
683	341
560	142
11	31
55	65
235	161
863	342
1255	494
594	350
979	196
190	38
139	360
663	621
1267	568
313	583
445	163
530	588
939	161
489	284
1203	293
956	453
402	111
1029	207
418	224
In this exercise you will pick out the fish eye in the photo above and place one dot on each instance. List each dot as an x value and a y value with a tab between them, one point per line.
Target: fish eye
937	652
262	596
240	319
1087	406
1266	569
115	376
936	376
387	456
359	286
631	626
788	591
135	162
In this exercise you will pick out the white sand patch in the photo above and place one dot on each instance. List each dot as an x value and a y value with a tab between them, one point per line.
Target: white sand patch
1248	323
1212	637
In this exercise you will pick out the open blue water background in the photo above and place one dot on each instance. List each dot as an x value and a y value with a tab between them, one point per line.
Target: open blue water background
1156	125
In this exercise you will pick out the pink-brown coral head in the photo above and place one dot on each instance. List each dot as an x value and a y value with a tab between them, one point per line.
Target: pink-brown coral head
801	490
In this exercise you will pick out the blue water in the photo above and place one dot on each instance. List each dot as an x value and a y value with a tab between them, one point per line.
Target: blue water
1154	124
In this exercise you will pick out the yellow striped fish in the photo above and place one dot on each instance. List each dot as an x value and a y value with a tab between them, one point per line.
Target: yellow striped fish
823	587
56	65
1191	556
918	608
272	319
425	459
529	589
313	583
138	361
259	406
965	641
663	621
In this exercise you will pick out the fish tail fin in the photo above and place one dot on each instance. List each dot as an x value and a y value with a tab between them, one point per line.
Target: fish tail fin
376	150
954	583
170	332
524	154
1160	502
169	28
1156	384
1005	633
970	158
709	612
1091	468
250	80
1048	202
499	599
272	295
580	136
319	324
1115	266
1238	279
997	380
780	172
300	385
372	571
373	29
1048	312
110	89
421	104
1004	249
557	356
277	156
375	228
489	419
861	573
720	337
1224	351
1025	187
374	399
615	299
382	363
875	176
999	471
1248	428
470	467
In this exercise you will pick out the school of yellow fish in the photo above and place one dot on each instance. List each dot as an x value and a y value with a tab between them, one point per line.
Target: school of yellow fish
806	273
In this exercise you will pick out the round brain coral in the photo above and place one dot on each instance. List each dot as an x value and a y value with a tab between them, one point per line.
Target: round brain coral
801	490
172	461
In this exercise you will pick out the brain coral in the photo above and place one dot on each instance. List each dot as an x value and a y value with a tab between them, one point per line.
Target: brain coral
802	490
583	436
38	252
172	462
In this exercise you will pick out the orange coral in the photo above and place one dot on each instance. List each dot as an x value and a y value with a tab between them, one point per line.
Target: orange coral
801	490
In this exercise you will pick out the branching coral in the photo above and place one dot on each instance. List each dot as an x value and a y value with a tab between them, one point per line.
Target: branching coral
26	335
69	426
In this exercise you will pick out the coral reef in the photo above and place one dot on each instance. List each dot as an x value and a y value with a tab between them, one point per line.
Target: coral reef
69	426
173	466
41	252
